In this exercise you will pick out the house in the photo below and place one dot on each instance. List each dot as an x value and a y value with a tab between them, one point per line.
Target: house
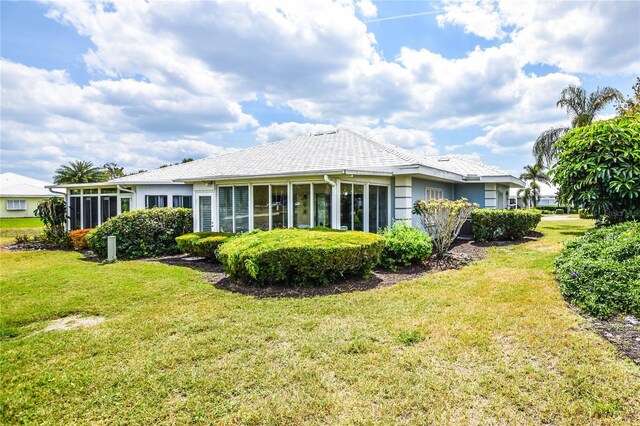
19	195
338	179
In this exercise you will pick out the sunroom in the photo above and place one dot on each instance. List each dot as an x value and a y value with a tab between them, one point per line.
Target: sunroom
361	203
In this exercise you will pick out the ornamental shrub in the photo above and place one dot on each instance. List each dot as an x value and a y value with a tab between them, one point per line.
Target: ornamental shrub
299	257
79	237
404	245
598	168
584	214
490	224
560	211
142	233
600	271
202	244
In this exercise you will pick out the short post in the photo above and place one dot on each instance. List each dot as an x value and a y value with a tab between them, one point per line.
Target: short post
111	248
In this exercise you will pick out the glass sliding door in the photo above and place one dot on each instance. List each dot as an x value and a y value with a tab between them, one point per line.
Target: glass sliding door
241	207
225	208
279	199
302	206
261	207
322	208
378	207
204	212
109	207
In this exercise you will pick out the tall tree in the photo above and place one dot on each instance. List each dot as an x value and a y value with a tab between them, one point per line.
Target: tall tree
79	171
534	174
113	171
582	108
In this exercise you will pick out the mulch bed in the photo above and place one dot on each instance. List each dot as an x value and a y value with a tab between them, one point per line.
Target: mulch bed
460	254
623	332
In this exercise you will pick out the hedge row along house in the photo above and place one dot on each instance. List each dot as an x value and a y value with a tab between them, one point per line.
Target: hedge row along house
337	179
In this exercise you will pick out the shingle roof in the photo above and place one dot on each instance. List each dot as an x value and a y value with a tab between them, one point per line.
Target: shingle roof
15	185
335	150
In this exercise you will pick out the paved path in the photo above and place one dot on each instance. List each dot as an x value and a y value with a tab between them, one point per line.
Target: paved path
557	217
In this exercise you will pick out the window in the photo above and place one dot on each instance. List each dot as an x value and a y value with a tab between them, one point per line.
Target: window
152	201
125	204
16	204
205	213
433	194
233	208
109	191
261	207
302	206
378	207
322	208
182	201
89	212
351	206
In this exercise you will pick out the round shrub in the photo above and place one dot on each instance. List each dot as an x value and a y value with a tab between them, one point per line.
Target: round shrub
142	233
600	271
560	211
490	224
79	237
299	256
202	244
404	246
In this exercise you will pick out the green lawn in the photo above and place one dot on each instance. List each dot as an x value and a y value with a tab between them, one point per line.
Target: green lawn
492	343
11	227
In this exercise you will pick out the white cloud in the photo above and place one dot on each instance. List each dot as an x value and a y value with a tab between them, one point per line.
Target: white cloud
480	18
367	8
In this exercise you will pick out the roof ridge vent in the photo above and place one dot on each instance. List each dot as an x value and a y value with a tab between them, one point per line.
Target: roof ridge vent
326	132
444	159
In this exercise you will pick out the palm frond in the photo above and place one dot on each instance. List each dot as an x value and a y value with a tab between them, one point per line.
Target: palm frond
573	99
544	149
599	99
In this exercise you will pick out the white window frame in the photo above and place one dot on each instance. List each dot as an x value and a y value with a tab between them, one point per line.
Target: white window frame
433	194
21	205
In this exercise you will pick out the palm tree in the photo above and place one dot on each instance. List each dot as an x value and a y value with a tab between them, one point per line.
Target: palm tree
582	109
79	171
525	194
534	174
530	195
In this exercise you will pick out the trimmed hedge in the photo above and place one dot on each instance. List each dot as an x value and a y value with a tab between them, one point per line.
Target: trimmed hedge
142	233
202	244
299	257
600	271
404	245
490	224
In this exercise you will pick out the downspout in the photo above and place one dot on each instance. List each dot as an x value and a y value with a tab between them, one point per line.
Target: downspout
329	181
125	190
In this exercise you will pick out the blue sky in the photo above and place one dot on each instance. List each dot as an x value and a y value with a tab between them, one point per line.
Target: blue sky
149	83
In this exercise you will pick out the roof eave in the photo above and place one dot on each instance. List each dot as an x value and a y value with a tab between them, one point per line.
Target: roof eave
332	172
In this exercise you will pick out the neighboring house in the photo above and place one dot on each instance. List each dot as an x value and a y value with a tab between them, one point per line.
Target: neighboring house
548	195
338	179
19	195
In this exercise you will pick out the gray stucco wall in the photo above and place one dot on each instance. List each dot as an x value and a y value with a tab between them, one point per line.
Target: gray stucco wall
473	192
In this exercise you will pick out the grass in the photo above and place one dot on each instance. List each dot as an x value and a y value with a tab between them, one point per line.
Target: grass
12	227
492	343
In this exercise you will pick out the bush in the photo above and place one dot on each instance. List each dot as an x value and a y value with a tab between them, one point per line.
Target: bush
600	271
490	224
560	211
598	167
584	214
142	233
79	237
404	245
202	244
299	256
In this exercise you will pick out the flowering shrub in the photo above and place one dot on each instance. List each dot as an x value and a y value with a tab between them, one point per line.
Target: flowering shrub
78	238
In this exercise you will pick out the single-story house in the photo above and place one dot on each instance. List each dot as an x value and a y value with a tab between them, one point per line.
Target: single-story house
338	179
19	195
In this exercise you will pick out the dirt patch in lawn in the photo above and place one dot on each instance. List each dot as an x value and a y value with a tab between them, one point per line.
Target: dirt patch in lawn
623	332
73	322
460	254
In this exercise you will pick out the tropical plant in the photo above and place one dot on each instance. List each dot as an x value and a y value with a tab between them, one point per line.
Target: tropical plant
534	174
404	245
52	212
630	106
113	171
443	219
79	171
582	108
599	168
